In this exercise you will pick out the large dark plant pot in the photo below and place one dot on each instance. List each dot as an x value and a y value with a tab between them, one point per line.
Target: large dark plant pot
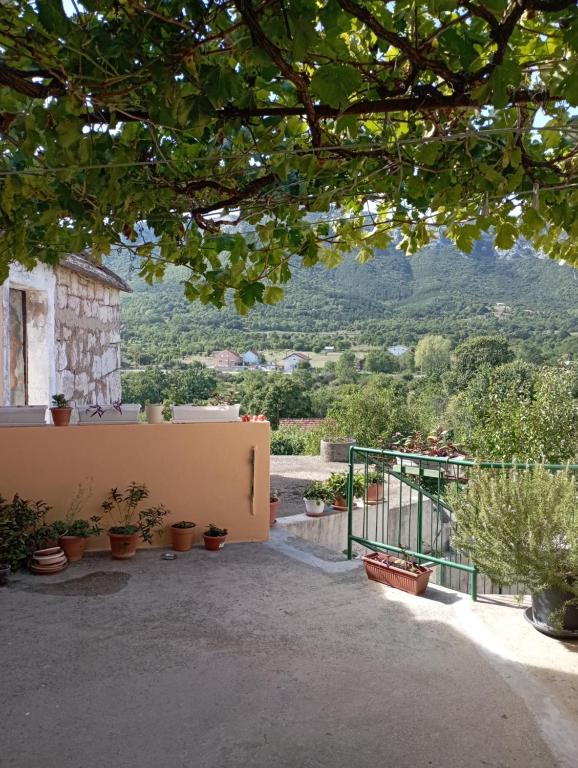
551	600
4	573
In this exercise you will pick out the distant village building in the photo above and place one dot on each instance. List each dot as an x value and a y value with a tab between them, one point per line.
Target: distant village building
398	350
500	309
60	333
227	358
252	358
328	349
293	361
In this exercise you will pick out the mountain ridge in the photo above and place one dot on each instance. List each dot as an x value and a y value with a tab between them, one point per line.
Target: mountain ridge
393	298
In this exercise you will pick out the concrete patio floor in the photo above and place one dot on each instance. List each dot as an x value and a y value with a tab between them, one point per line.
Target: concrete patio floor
270	655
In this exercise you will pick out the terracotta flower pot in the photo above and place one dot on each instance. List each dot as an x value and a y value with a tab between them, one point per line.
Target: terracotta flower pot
73	547
273	507
182	538
61	416
123	545
374	493
340	503
214	543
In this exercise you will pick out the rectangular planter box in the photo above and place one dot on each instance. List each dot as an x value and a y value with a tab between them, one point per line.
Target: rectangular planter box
22	415
379	567
187	414
128	414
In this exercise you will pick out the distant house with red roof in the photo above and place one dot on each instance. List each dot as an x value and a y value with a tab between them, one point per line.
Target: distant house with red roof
226	358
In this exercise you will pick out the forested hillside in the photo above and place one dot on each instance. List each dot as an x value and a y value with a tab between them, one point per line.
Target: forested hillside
393	299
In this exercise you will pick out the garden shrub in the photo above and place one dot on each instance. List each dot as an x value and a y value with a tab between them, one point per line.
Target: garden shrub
288	441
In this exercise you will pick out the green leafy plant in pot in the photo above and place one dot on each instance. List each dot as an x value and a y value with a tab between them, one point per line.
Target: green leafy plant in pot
130	521
182	534
215	537
74	530
314	496
374	485
336	487
521	526
61	411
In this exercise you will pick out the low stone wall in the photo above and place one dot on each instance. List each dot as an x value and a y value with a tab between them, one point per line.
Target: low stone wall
87	339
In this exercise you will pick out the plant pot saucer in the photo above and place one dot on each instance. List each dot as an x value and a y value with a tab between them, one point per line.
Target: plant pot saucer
338	509
545	629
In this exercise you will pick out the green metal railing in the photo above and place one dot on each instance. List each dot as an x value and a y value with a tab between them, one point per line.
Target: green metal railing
408	514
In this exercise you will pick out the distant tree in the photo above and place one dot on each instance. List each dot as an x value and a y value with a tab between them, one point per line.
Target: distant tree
145	386
194	385
518	411
379	361
277	396
372	414
471	355
405	362
428	405
330	366
432	355
346	367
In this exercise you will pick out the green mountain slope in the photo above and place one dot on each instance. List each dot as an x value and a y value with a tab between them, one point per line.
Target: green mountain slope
393	299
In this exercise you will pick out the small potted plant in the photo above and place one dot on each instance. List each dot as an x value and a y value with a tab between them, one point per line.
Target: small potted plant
182	534
337	489
374	488
130	521
314	497
215	537
74	531
61	411
520	526
274	501
396	571
72	536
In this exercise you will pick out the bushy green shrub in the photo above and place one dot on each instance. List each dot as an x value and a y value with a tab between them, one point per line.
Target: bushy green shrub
21	525
288	441
479	351
517	411
372	414
520	526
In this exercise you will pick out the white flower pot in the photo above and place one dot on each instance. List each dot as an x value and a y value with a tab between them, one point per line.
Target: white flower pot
186	414
22	415
126	413
154	414
314	507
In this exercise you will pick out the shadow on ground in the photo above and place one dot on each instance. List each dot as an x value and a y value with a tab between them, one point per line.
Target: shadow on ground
248	657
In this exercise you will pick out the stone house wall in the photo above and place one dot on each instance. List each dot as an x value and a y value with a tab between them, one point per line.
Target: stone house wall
87	334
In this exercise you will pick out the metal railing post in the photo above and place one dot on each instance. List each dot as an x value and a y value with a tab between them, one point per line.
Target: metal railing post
350	506
419	534
474	584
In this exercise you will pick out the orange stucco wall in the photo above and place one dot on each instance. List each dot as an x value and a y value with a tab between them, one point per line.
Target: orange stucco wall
201	472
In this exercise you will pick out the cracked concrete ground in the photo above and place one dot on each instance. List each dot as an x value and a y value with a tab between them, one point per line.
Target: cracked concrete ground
261	655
